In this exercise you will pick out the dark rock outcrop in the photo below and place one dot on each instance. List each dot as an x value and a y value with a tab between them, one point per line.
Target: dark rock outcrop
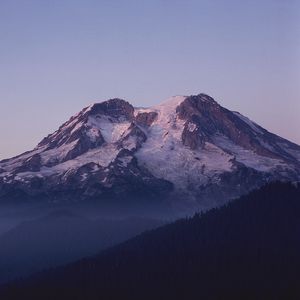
146	118
134	139
32	164
115	108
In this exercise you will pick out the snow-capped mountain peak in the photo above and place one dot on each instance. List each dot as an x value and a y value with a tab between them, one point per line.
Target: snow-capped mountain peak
187	147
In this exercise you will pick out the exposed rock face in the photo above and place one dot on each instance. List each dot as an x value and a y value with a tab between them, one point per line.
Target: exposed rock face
209	119
82	144
189	149
205	119
192	135
114	108
133	139
33	164
146	118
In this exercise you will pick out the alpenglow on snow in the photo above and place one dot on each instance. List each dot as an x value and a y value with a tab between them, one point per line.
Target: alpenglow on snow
187	149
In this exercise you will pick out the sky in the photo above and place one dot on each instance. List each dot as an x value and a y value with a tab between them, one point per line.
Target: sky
58	56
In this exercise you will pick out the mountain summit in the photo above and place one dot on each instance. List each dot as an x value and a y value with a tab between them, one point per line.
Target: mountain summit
188	148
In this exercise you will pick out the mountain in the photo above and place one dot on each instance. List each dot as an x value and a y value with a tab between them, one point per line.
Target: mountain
247	249
188	151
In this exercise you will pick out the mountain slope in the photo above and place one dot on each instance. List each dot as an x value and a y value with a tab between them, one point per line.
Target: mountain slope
188	147
61	237
248	249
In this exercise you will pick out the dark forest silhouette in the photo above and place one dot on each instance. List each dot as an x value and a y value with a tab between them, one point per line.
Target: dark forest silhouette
247	249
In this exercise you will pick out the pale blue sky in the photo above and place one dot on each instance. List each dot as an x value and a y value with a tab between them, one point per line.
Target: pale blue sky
58	56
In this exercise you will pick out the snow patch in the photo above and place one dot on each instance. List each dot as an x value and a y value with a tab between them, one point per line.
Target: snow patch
192	127
57	154
164	155
13	163
110	128
125	160
248	157
93	134
77	126
130	143
100	156
84	176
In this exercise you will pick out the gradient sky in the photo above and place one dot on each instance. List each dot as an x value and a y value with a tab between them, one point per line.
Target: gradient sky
56	57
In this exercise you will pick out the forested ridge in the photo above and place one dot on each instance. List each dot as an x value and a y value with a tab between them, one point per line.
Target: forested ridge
247	249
